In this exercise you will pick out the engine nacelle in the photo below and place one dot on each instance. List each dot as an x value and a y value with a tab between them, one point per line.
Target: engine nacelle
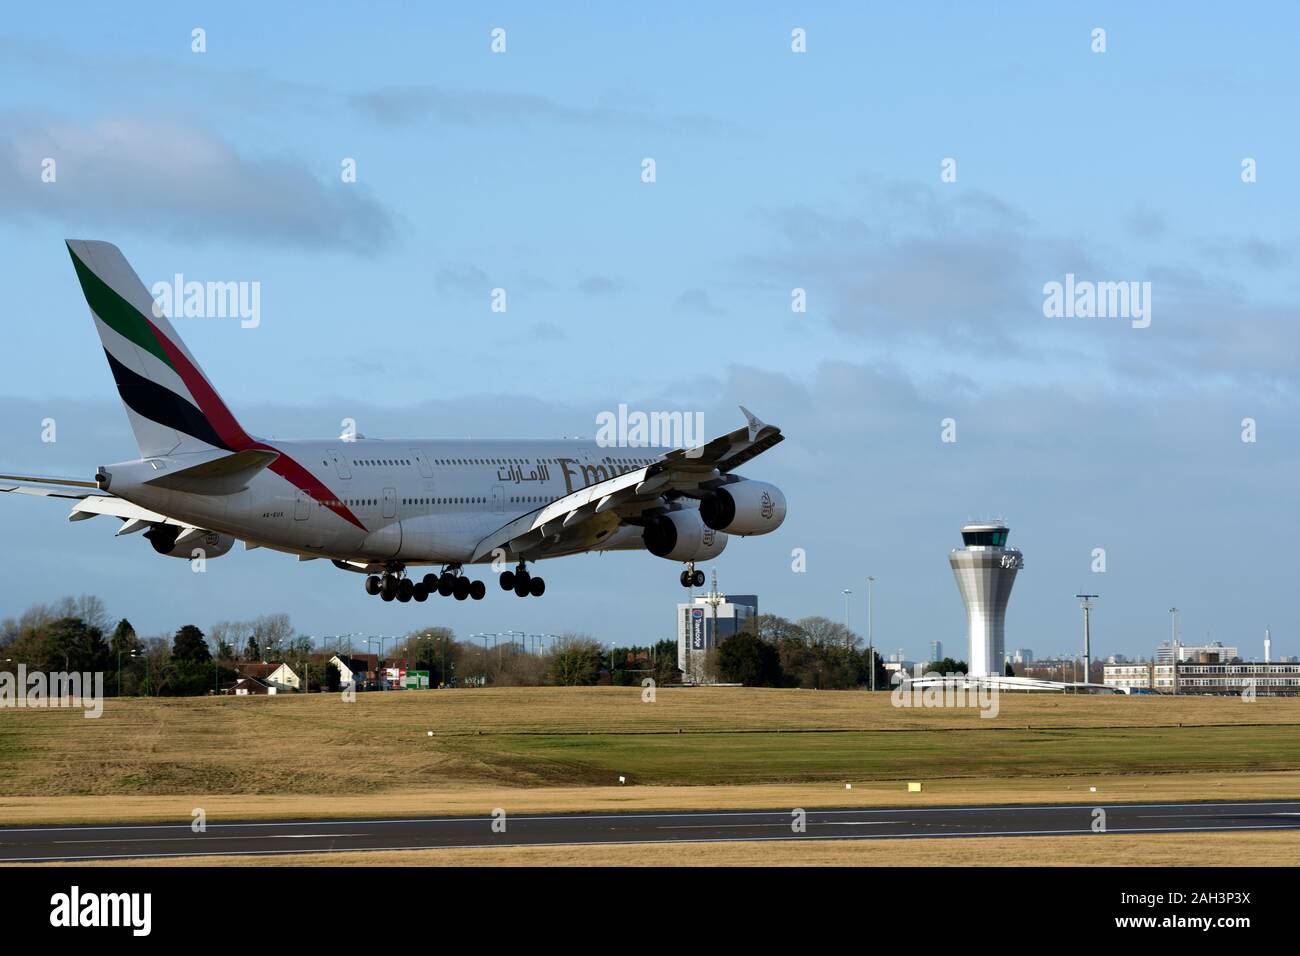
683	536
744	507
168	539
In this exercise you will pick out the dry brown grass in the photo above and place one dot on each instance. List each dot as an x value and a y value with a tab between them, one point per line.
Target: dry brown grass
1156	849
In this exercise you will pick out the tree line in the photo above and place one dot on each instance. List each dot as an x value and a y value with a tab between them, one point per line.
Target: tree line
77	634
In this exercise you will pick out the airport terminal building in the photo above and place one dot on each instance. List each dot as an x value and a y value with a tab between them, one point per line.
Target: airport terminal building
1264	680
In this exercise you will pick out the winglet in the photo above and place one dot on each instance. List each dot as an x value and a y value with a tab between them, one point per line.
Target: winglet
754	424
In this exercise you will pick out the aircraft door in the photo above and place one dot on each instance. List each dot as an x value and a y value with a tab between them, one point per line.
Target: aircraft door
390	502
425	468
498	499
340	464
302	506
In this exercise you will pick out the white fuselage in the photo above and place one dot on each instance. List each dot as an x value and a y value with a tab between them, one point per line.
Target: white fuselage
416	501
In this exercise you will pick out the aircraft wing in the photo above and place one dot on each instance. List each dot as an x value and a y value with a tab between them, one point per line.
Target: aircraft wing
588	516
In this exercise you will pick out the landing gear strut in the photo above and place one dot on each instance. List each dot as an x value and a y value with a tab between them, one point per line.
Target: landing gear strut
691	577
522	583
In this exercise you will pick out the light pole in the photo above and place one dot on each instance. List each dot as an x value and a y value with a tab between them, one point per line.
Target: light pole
1085	602
379	661
1173	645
871	637
429	635
847	594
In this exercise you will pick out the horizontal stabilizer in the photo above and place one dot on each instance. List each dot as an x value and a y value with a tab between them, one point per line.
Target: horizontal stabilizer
226	475
45	480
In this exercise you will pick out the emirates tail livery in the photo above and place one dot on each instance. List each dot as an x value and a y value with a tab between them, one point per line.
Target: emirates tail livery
379	507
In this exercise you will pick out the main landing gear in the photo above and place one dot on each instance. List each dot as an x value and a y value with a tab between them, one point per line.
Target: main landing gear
393	585
522	583
691	578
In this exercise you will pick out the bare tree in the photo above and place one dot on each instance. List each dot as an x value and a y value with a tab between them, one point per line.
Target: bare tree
274	634
575	660
88	607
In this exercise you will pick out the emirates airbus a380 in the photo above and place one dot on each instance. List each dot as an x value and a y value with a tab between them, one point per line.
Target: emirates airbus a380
381	507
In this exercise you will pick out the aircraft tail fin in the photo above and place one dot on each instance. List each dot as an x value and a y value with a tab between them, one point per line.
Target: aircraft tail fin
172	406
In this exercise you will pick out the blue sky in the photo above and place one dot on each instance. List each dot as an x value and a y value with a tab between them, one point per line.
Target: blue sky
775	170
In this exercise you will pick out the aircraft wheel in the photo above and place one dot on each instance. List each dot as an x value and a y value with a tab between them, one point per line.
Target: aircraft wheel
477	590
537	587
387	595
461	589
521	586
388	587
685	579
420	592
699	579
430	583
507	580
446	583
405	588
372	585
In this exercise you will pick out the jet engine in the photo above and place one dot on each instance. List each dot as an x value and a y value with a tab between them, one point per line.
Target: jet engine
176	542
683	536
744	507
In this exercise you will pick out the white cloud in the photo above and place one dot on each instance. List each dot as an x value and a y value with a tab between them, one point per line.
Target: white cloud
180	180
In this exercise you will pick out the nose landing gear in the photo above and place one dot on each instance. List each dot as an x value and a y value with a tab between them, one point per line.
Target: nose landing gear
691	577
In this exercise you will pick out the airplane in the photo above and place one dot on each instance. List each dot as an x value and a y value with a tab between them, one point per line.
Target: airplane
383	507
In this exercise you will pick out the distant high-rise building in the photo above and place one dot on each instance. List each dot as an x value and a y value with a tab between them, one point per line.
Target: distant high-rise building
1023	655
695	627
936	650
1192	653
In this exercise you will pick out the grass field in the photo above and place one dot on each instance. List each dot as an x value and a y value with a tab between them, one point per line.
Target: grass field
563	749
1158	849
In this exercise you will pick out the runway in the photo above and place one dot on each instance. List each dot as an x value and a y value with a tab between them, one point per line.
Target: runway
268	838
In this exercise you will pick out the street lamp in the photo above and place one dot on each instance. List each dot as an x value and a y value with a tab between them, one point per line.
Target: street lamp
379	661
847	594
871	637
1173	645
1085	602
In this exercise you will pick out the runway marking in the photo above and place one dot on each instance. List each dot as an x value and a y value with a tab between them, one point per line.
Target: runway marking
811	823
1194	816
309	836
651	816
792	838
197	838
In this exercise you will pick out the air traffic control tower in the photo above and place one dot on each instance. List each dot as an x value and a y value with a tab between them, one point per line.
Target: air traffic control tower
985	569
